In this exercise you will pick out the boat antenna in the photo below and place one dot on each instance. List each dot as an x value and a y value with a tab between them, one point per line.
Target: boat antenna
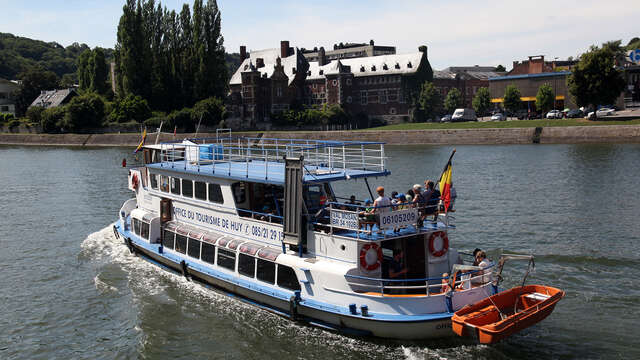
159	130
369	188
198	127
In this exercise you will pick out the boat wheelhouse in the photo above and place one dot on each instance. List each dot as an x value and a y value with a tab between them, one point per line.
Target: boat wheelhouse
258	217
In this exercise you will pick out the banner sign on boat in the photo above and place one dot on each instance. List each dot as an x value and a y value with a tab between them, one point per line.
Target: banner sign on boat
398	218
344	219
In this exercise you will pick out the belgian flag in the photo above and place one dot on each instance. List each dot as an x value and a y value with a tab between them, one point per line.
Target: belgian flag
144	137
445	184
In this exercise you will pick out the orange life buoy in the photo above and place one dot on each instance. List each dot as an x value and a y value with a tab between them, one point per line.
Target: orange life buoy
370	256
442	248
134	181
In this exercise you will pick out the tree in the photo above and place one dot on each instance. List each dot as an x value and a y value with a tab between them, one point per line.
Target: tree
84	111
130	108
51	119
482	101
453	100
512	100
545	98
500	68
92	71
429	101
210	110
595	80
34	81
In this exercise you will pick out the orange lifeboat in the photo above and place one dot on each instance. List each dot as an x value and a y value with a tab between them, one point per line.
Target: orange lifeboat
506	313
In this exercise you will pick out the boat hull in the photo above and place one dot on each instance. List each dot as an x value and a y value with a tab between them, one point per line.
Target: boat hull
437	326
494	319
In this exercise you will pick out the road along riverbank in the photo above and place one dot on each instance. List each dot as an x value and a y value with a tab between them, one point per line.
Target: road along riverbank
543	135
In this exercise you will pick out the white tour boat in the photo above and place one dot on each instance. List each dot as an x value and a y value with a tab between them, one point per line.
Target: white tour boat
258	218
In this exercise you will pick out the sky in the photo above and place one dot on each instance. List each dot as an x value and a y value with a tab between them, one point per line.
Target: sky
457	32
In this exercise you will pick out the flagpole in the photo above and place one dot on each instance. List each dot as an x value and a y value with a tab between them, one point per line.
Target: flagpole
447	164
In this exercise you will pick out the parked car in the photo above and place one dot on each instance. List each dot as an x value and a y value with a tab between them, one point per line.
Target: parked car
575	113
605	112
554	114
464	115
522	114
446	118
498	117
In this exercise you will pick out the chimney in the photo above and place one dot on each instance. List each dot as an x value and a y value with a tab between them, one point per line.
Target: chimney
259	63
243	53
322	59
423	49
284	49
371	42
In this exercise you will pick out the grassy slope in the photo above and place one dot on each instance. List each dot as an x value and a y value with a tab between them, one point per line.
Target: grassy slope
503	124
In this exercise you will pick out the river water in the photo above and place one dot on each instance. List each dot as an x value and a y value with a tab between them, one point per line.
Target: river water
68	289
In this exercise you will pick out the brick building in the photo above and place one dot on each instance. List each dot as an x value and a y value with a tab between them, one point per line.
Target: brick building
467	79
269	81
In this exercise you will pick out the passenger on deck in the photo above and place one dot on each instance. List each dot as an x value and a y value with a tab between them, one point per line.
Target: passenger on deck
483	262
445	283
418	198
381	205
350	204
368	216
431	197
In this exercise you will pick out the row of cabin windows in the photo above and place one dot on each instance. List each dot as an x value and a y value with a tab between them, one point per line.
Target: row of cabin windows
187	188
140	228
248	266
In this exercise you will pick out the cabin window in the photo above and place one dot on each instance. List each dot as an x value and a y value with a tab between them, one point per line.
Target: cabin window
227	259
266	271
187	188
136	226
247	265
153	178
167	239
164	183
200	190
215	193
287	278
175	186
144	230
239	192
181	243
208	253
194	248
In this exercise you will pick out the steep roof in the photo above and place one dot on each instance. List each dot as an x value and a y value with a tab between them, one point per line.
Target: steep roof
477	72
53	98
370	66
269	56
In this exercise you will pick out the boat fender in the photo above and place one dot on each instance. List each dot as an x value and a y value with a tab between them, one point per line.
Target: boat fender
370	256
127	241
115	232
134	181
443	246
293	308
185	269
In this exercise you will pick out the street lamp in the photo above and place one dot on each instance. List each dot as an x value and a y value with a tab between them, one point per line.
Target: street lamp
555	85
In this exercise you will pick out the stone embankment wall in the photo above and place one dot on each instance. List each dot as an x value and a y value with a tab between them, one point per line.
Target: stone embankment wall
547	135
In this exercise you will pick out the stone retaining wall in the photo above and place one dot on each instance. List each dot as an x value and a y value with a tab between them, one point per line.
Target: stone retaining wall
547	135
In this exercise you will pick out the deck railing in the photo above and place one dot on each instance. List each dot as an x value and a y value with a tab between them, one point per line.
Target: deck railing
320	157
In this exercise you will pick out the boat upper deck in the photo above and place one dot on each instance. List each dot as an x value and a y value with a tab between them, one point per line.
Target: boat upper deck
263	159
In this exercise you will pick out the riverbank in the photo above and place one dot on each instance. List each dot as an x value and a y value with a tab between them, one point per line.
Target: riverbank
484	136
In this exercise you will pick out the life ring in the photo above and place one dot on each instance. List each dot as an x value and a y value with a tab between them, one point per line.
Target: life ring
370	256
134	181
442	249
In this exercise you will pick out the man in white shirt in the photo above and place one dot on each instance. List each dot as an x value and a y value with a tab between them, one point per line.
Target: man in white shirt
381	205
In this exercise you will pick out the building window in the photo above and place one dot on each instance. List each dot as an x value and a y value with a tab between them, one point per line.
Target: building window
201	190
348	82
266	271
392	95
246	265
187	188
215	194
315	86
334	82
226	259
279	91
372	97
167	239
175	186
208	253
287	278
363	97
194	248
392	111
383	96
349	99
181	243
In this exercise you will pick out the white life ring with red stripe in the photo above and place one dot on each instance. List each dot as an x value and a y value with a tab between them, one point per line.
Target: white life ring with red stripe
438	243
370	256
134	181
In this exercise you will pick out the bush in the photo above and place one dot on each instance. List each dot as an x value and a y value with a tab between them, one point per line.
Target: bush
5	117
211	110
51	119
182	119
13	123
84	111
34	113
131	107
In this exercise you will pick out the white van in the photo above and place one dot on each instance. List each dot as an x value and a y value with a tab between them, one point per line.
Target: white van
464	115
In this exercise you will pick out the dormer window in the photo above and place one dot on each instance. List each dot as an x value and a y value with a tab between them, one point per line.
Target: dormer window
309	73
361	68
246	67
321	72
385	67
397	66
373	68
409	65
